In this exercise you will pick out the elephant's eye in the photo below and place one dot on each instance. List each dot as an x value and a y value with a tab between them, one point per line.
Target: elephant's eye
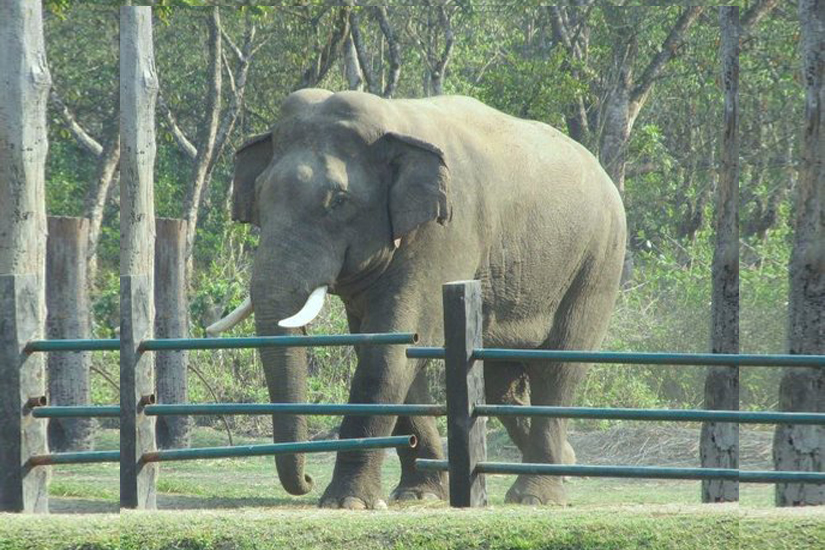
337	200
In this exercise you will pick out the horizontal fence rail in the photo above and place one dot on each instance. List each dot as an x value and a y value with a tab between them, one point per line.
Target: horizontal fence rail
627	358
366	339
354	409
72	345
77	411
80	457
408	441
641	472
682	415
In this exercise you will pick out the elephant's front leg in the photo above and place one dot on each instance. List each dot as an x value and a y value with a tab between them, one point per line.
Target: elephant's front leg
416	484
383	376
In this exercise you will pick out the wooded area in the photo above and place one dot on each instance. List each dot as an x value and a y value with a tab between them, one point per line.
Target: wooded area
642	87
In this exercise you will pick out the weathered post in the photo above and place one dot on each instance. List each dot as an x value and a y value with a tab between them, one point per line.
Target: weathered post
467	434
24	89
171	321
67	299
138	92
799	447
719	445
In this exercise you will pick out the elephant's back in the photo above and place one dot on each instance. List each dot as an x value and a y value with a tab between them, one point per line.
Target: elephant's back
540	203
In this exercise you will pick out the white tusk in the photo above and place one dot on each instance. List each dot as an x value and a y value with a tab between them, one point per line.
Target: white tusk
239	314
310	311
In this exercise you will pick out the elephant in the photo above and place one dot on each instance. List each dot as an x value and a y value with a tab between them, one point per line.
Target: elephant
381	201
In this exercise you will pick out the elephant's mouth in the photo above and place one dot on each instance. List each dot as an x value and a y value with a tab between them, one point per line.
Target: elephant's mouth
353	282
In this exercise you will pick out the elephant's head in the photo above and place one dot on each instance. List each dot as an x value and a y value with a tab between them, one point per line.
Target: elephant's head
334	188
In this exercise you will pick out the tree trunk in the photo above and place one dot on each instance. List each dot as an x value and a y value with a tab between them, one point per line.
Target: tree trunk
803	389
138	95
67	300
206	136
719	445
171	321
105	177
24	92
352	68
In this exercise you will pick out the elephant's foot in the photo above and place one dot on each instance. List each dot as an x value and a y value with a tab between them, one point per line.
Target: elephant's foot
424	491
353	496
536	491
416	485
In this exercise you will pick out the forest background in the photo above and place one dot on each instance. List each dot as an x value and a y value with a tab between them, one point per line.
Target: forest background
639	85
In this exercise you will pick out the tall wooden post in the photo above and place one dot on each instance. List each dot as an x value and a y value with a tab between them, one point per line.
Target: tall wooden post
67	299
467	434
171	321
138	92
799	447
24	90
719	445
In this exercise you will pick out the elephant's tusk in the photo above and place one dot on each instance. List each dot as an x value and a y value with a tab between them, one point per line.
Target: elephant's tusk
239	314
310	311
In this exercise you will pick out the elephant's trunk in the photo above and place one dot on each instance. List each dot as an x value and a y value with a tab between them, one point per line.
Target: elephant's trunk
286	372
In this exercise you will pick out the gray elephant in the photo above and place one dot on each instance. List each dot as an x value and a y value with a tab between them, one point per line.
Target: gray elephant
381	202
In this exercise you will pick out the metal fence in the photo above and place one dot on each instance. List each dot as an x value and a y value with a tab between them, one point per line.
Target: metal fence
464	356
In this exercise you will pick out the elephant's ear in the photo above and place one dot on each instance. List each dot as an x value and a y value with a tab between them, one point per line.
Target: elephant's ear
419	182
250	160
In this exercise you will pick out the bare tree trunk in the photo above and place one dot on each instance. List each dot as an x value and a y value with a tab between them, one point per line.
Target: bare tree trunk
105	178
138	95
24	92
67	300
206	136
381	14
171	321
719	445
352	68
803	389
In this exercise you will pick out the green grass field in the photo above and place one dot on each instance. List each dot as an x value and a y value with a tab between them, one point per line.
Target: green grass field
227	504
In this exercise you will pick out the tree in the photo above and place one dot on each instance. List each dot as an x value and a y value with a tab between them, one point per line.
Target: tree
803	389
720	441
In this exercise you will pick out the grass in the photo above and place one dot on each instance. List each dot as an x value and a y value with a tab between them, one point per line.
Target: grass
238	503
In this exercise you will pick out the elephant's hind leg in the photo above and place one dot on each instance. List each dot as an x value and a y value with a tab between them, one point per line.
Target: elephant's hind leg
415	484
579	324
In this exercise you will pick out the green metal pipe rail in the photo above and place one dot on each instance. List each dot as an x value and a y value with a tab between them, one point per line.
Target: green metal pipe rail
72	345
355	409
681	415
365	339
80	457
77	411
642	472
280	448
627	358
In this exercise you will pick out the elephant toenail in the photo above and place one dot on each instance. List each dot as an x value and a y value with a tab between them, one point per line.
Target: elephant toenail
353	503
429	496
379	505
329	504
530	500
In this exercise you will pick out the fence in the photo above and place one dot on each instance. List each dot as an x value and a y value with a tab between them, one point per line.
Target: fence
466	411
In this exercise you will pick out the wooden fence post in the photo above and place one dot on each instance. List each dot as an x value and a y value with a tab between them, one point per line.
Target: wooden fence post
24	90
138	92
467	434
171	321
67	299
